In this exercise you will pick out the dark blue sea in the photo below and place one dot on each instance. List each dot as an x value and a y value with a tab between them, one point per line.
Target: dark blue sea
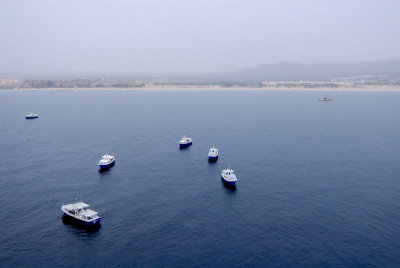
318	182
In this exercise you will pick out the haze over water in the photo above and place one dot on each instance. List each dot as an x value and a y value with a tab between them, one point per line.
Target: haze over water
318	183
56	38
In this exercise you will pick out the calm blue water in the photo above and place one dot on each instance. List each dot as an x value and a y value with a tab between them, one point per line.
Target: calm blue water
318	183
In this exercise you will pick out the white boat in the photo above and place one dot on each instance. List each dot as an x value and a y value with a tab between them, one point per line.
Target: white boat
229	177
324	98
106	161
185	142
213	154
81	214
31	116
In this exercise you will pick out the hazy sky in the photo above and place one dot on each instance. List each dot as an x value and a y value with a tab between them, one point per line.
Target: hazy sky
192	35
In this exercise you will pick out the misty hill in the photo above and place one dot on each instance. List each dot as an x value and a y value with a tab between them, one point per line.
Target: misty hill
286	71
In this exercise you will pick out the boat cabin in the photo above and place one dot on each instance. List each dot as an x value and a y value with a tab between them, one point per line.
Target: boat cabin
76	208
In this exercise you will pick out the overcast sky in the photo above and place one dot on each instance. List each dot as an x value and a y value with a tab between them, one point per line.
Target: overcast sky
192	35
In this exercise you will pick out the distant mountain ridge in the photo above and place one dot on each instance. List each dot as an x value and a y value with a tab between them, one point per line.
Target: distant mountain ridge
283	71
287	71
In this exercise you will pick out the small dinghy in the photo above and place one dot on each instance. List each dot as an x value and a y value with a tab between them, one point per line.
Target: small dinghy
185	142
213	154
229	178
31	116
324	98
106	162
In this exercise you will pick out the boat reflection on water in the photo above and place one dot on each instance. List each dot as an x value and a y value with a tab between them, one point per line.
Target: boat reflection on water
104	170
78	225
228	188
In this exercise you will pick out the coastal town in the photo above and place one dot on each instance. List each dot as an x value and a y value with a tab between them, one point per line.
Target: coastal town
102	83
69	83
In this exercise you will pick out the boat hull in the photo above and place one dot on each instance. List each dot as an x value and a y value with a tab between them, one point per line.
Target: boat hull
230	184
31	117
184	145
80	222
107	166
212	158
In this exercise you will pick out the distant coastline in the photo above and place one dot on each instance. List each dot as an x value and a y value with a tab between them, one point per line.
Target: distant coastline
379	88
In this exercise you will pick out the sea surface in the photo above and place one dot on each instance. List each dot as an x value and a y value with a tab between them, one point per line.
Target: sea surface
318	182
